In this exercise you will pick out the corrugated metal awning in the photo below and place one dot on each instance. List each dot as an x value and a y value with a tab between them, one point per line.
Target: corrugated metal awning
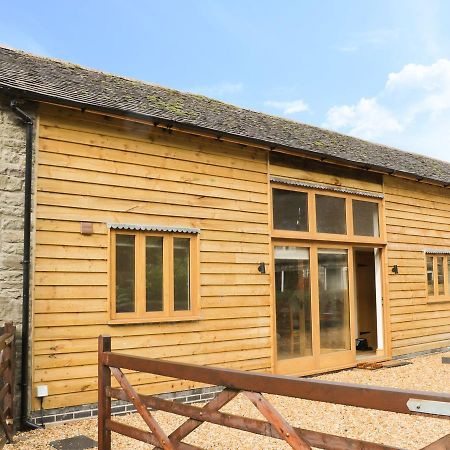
325	187
437	251
160	228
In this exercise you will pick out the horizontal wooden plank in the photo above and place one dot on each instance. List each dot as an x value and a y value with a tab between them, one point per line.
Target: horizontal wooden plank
70	265
82	175
233	247
151	158
70	279
130	193
93	331
420	340
145	207
422	194
70	292
75	345
423	231
420	324
85	371
163	351
69	306
89	215
86	318
416	332
86	163
70	252
420	347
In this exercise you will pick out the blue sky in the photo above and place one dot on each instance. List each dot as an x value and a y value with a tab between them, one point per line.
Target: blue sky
379	70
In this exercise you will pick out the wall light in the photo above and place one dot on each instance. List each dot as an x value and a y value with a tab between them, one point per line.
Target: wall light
262	268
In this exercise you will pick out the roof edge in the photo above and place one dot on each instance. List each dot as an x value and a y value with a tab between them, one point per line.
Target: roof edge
217	134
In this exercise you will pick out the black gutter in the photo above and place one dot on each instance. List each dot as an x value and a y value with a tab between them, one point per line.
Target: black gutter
28	121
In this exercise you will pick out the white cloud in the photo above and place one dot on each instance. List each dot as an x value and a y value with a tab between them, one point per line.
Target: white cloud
289	107
219	90
429	86
367	119
417	76
412	111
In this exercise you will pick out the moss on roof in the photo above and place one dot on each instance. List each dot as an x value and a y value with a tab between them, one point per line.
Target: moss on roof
37	77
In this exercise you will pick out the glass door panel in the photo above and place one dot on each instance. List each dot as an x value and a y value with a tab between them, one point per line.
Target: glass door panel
293	302
334	307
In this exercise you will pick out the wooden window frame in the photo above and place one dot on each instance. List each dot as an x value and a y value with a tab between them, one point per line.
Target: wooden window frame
314	235
168	314
436	298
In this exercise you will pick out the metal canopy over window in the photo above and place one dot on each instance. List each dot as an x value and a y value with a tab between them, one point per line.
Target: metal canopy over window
160	228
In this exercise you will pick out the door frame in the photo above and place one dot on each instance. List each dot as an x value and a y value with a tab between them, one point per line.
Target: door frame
317	362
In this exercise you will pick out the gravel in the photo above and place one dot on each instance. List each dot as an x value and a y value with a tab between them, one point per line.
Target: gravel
412	432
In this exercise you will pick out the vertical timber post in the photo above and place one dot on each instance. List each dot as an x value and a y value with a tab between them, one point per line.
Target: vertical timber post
10	353
104	401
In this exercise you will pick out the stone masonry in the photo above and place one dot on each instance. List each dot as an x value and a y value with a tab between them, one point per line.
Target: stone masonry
12	174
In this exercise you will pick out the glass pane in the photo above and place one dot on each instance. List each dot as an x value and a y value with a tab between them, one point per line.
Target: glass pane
440	274
293	302
125	250
365	218
333	300
330	214
154	273
181	274
290	210
430	276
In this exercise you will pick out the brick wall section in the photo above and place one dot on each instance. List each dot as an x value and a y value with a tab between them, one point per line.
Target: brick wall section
120	408
12	175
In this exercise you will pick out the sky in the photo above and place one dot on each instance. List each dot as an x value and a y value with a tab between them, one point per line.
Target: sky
375	69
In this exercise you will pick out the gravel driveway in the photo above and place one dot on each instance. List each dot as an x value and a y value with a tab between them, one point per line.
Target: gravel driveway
412	432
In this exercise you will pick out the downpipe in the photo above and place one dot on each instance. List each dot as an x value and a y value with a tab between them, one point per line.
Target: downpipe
25	423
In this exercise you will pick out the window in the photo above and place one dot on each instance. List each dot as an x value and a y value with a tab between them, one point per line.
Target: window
293	302
365	218
330	214
290	210
438	276
333	300
153	275
303	212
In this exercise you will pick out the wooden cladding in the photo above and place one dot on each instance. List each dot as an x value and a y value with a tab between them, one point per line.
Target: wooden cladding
417	219
107	171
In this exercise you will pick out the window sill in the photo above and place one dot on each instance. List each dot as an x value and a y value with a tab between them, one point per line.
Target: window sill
150	320
328	237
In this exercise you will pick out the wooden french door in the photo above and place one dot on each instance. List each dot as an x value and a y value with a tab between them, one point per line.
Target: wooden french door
313	307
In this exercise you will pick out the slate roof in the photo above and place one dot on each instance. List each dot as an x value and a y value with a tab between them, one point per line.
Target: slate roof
39	78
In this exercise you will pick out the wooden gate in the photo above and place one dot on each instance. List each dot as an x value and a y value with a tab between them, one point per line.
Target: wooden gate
251	385
7	365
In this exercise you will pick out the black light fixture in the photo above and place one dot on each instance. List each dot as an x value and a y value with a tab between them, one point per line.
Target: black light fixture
395	269
262	267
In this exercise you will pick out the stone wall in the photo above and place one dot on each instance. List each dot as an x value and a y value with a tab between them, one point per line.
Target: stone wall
12	175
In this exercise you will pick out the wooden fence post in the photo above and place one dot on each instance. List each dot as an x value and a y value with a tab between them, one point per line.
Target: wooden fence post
10	356
104	400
